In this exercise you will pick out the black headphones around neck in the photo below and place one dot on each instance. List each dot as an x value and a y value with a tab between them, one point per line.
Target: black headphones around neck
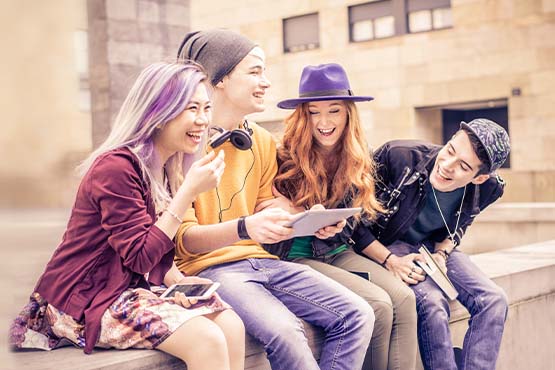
240	138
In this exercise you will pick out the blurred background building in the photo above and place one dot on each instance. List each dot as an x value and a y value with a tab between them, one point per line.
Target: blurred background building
68	65
428	63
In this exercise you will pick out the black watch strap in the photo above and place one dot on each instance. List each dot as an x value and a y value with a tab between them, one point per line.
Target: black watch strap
242	228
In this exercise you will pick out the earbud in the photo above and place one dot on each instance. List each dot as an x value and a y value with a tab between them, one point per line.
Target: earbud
241	139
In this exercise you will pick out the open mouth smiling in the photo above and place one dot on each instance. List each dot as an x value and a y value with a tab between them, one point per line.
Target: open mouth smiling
196	136
326	132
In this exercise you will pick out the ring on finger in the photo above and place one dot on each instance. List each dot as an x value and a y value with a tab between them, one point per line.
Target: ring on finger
412	269
409	275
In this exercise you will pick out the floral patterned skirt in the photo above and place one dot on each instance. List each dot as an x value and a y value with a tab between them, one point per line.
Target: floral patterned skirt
137	319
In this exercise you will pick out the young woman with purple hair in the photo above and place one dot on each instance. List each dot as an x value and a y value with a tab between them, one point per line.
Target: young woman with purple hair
135	189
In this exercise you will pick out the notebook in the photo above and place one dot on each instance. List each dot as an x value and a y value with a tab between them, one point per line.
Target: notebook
438	276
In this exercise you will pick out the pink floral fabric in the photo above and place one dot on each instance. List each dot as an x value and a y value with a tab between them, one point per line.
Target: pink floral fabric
137	319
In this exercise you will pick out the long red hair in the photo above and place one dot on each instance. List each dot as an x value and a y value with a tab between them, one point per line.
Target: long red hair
307	176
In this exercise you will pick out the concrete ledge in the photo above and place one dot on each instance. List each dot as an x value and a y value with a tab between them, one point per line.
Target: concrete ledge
525	273
507	225
67	358
519	212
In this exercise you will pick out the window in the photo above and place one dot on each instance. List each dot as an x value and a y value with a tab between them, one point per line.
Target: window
301	33
373	20
453	115
427	15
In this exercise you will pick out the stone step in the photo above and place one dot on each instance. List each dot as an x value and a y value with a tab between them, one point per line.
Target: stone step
526	274
507	225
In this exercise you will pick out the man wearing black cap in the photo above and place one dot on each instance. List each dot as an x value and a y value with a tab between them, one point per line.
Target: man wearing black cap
432	194
221	234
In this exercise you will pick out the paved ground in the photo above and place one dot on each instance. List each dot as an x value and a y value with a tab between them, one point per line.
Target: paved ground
28	238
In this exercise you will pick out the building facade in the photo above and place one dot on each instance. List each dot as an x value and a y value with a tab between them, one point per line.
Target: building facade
45	102
68	65
428	63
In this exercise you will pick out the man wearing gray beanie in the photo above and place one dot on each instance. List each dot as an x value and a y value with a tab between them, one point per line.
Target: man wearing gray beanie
221	236
218	51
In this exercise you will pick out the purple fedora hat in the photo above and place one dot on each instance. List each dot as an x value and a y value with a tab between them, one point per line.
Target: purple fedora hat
323	82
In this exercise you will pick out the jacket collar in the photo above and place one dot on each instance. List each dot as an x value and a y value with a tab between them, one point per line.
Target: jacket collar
424	166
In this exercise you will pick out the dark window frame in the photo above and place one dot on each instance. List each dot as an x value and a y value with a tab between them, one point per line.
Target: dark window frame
371	11
399	10
429	5
288	48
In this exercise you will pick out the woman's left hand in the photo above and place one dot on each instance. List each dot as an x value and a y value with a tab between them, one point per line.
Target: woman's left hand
331	230
182	300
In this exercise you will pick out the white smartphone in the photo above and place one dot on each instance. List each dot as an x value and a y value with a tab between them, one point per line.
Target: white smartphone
194	290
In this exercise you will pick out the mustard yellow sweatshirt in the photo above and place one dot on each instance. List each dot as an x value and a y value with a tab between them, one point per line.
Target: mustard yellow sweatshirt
257	188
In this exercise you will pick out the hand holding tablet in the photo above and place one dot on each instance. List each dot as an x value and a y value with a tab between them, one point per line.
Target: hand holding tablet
308	222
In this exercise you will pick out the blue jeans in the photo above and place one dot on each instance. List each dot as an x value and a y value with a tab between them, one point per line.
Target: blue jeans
485	301
269	295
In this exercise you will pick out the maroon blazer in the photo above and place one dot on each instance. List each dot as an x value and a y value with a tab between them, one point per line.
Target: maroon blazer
109	244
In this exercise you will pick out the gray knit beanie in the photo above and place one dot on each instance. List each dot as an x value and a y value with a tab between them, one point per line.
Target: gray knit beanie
218	51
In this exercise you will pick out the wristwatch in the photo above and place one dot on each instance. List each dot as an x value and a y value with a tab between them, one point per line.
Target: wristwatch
242	228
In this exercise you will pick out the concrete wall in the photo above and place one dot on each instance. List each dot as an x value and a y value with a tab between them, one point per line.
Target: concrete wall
58	54
493	47
44	130
125	37
507	225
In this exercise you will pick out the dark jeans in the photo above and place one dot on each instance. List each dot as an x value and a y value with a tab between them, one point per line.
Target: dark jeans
485	301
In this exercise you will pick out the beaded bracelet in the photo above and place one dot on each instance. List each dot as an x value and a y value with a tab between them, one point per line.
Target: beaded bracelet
386	258
171	213
444	254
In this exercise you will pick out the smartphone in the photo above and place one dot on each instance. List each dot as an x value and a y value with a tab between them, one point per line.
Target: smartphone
198	291
362	274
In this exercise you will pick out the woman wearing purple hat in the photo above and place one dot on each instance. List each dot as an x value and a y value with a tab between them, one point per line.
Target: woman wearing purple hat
325	160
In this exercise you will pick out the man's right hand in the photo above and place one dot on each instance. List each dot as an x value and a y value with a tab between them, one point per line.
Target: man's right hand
267	226
405	268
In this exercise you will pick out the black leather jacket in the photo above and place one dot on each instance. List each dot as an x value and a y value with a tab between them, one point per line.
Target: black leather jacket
403	168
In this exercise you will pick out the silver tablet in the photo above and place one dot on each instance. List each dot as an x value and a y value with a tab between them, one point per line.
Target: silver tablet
308	222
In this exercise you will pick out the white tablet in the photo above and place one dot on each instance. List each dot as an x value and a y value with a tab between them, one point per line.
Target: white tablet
308	222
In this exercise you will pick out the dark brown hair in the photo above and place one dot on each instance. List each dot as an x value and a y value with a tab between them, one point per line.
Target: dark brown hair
479	150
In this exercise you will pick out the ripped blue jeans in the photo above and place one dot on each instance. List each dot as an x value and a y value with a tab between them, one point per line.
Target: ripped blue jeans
485	301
